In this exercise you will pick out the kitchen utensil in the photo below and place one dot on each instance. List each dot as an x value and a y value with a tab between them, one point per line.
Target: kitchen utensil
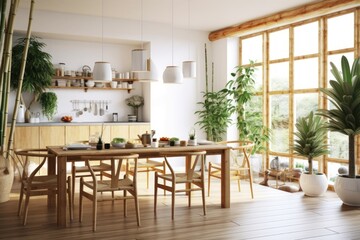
107	106
85	108
102	111
80	112
96	109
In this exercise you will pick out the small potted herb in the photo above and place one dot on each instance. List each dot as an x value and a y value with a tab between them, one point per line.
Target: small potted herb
174	141
192	138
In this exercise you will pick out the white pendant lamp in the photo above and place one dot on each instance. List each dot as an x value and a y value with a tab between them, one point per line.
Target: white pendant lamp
189	67
138	60
102	70
172	74
139	56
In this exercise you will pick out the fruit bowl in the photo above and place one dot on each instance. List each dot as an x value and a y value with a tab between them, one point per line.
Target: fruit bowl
66	119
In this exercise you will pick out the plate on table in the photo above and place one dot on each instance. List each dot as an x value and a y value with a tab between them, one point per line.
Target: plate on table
77	146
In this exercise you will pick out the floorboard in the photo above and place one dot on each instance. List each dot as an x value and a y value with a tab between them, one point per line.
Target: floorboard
272	214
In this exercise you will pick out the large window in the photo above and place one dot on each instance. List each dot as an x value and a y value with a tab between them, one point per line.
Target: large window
293	63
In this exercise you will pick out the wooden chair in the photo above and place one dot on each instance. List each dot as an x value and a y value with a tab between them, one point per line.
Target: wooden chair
147	166
92	189
240	164
101	168
189	177
34	184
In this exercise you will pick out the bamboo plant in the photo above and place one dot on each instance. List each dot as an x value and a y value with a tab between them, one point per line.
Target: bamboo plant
344	95
310	134
5	73
216	109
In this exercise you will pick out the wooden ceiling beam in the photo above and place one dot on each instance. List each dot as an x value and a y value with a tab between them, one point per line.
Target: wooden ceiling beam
284	17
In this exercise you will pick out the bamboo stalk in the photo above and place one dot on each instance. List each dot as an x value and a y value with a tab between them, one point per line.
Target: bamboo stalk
21	77
2	24
4	74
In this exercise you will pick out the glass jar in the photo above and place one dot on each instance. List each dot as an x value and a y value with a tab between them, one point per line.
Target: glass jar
62	69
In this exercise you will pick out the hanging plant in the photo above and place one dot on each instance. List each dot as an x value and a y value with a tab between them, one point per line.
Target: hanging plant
48	101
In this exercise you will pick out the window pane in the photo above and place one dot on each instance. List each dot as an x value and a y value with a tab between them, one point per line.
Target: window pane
252	49
304	165
258	79
256	104
338	145
306	39
279	76
306	73
279	109
279	44
341	32
304	104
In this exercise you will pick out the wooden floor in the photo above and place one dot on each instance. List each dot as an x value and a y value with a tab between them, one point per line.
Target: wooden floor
273	214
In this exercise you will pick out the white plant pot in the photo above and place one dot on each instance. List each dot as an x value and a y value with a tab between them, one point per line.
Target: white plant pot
6	182
192	142
348	190
313	185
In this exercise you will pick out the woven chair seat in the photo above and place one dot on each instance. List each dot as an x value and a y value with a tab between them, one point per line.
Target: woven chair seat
182	177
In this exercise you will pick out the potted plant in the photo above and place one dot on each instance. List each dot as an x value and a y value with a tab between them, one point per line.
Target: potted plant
309	142
48	101
174	141
192	138
38	71
135	102
344	118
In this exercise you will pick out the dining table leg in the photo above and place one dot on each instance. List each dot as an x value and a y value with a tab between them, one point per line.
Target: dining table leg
51	201
225	178
61	197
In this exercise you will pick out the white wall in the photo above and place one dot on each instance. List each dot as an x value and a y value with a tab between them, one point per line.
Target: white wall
226	58
170	108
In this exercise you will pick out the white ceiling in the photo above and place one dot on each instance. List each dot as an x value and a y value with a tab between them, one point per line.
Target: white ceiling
206	15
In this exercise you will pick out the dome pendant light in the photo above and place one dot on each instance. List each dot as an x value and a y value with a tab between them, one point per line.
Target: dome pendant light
102	70
139	56
189	67
172	74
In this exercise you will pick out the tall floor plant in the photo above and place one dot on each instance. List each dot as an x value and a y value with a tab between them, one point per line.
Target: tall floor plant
5	73
344	94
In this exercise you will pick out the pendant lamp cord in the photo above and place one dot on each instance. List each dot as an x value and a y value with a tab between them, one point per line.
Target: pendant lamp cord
141	24
172	32
102	30
188	3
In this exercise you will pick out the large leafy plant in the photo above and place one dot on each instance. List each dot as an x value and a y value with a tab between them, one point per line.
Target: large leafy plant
310	134
38	71
344	94
249	120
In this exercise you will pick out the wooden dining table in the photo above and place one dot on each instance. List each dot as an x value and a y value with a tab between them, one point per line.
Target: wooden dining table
57	165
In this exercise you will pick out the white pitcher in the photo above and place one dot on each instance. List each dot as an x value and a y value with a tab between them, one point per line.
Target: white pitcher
21	114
